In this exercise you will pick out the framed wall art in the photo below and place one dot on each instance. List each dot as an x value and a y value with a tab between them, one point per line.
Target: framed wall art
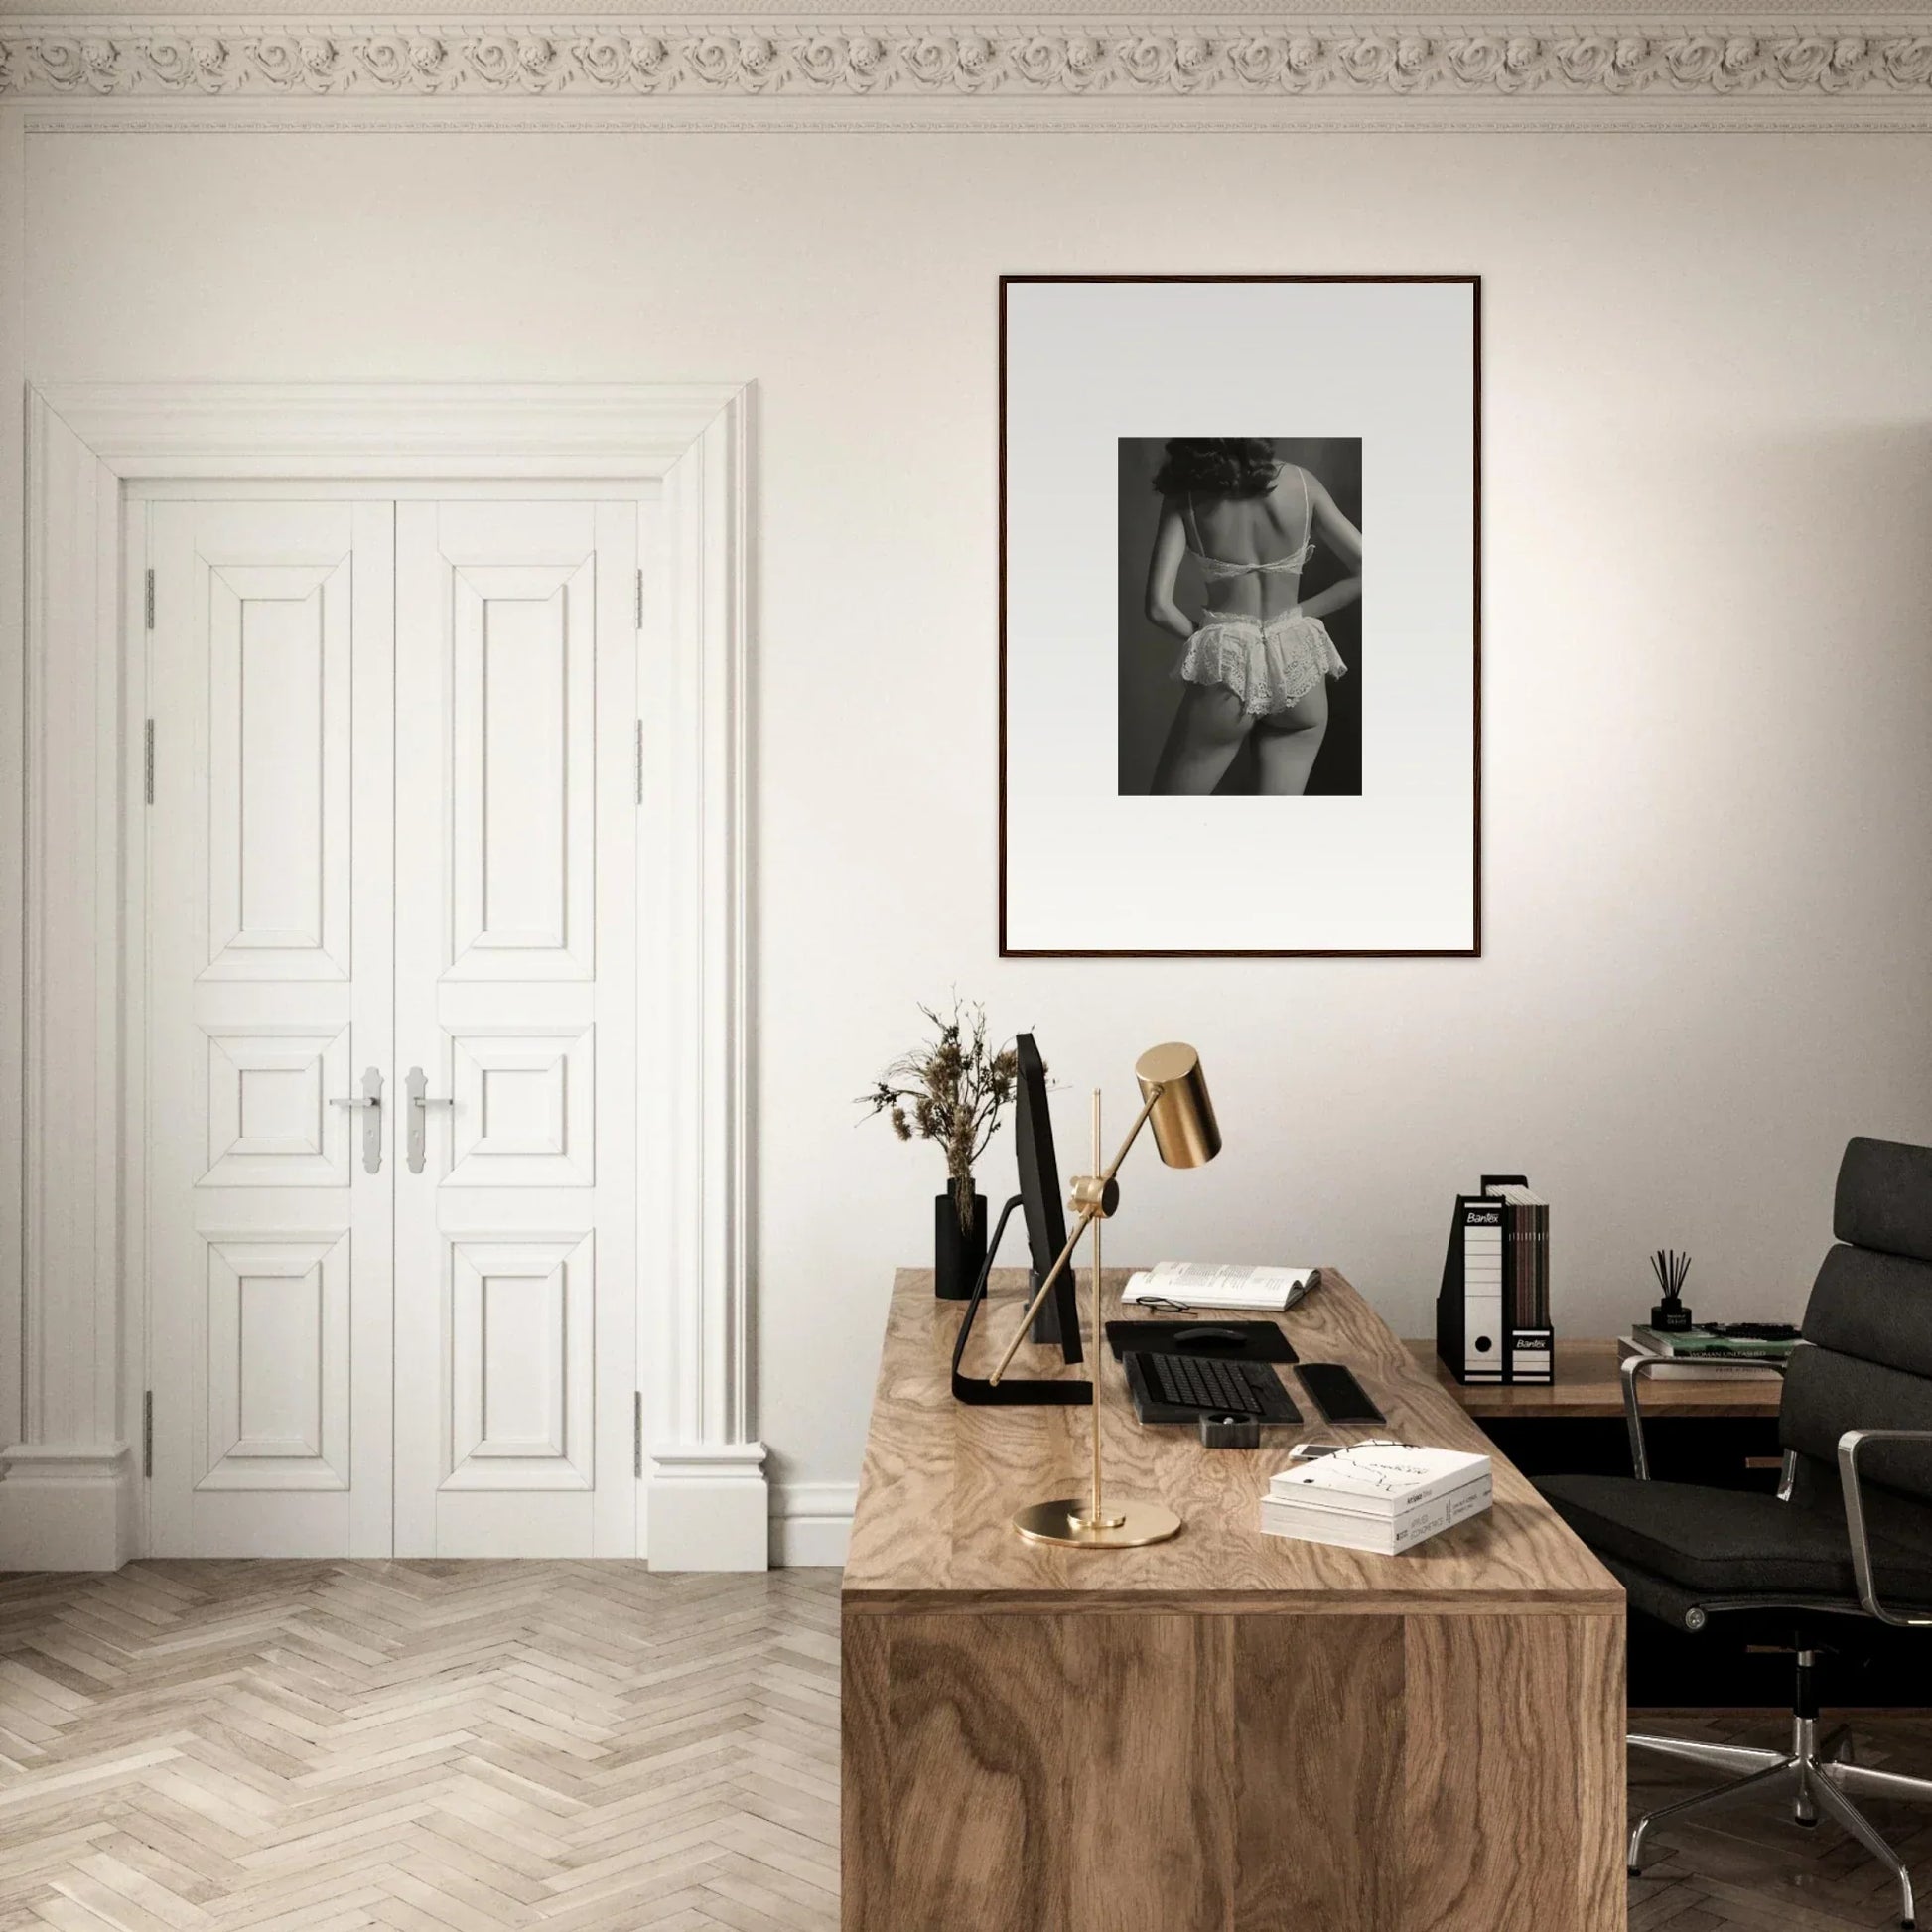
1240	615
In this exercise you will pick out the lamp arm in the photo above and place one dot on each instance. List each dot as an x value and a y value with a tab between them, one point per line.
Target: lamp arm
1088	1215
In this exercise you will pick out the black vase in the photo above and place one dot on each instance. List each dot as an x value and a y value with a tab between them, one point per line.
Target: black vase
958	1253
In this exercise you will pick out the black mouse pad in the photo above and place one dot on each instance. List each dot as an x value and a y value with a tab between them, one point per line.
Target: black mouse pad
1250	1341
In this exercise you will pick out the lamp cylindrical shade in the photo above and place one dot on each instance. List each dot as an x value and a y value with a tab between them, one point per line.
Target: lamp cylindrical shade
1184	1127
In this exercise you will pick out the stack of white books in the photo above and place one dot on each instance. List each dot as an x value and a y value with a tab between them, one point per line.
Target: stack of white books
1217	1284
1381	1496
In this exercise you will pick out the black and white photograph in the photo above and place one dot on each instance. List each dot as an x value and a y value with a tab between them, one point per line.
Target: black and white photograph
1240	615
1217	733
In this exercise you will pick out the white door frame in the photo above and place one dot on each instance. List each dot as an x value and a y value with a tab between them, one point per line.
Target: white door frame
70	1498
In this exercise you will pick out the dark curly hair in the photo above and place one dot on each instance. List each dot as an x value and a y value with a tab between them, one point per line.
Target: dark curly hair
1218	465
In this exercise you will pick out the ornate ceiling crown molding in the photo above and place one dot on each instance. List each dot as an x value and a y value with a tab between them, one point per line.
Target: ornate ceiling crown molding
1814	68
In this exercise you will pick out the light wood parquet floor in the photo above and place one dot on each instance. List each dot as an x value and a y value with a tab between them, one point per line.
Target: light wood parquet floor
467	1747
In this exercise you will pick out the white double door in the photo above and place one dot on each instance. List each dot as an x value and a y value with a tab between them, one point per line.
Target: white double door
391	860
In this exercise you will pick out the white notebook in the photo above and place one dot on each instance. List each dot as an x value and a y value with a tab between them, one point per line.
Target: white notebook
1378	1478
1217	1284
1388	1535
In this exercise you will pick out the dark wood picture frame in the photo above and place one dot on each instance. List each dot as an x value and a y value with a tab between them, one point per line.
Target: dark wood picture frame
1474	949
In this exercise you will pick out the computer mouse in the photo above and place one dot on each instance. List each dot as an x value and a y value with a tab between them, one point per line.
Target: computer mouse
1208	1337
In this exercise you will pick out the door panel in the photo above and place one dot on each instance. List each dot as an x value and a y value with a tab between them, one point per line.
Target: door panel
270	890
524	1113
280	800
520	1334
515	973
278	1357
523	671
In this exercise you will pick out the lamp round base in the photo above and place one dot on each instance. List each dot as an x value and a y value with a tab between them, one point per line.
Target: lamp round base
1063	1521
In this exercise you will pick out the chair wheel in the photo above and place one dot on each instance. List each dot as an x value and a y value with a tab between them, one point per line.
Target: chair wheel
1810	1824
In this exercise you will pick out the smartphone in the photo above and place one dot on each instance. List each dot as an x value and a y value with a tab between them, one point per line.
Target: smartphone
1338	1394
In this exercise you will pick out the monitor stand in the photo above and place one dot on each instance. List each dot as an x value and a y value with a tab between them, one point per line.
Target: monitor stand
1011	1391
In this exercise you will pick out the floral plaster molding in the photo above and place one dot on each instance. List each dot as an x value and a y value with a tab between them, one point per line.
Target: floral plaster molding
1822	69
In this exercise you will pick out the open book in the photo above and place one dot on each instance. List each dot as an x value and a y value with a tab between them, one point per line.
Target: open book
1214	1285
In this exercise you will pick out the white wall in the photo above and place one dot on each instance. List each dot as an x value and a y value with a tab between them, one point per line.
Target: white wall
1707	642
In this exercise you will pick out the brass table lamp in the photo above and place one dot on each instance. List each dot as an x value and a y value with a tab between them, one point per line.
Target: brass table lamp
1175	1103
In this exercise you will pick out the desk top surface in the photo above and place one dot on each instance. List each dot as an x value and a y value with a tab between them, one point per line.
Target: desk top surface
1588	1386
941	1479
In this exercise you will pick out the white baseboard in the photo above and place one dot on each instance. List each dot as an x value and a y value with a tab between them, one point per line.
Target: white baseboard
709	1507
65	1506
811	1524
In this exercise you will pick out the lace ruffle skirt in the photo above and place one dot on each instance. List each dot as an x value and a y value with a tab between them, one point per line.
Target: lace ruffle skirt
1268	663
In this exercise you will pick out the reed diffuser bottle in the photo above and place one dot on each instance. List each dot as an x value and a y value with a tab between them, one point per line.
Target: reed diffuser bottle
1670	1315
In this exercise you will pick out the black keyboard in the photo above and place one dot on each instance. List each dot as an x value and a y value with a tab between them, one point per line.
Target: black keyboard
1207	1387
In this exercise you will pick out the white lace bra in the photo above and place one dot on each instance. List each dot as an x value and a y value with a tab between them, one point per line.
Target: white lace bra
1218	569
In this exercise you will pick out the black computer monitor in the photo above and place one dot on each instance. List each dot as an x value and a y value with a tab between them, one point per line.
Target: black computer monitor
1039	1196
1038	1200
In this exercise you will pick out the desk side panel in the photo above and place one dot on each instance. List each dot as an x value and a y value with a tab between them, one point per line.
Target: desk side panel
969	1799
1514	1773
1317	1729
865	1773
1148	1772
1150	1778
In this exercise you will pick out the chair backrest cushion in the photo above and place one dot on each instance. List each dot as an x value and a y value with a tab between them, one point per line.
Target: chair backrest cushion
1884	1197
1868	1324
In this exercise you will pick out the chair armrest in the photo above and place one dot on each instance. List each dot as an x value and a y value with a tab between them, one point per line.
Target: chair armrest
1848	1446
1634	1367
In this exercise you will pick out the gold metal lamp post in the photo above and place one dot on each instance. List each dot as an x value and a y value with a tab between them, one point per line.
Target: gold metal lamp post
1175	1103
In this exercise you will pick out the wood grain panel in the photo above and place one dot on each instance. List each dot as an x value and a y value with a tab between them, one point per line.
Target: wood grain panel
1149	1772
1317	1742
941	1479
864	1776
1513	1774
978	1753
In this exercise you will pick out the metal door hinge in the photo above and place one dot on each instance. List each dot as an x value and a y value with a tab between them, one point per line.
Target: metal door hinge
147	1434
638	1433
150	600
640	600
641	761
147	762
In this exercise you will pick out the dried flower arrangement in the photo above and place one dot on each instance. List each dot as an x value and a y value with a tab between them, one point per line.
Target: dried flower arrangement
953	1091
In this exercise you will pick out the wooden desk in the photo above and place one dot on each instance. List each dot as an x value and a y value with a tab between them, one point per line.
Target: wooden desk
1588	1386
1227	1732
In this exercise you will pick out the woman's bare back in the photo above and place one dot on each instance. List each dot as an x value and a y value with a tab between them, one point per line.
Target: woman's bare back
1263	537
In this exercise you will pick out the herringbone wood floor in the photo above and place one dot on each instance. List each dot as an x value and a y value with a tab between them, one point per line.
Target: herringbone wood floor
318	1746
464	1748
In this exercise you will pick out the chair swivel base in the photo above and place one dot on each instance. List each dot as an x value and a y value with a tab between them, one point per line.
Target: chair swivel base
1818	1776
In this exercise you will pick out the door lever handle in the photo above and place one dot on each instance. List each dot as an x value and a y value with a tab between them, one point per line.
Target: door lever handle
371	1100
420	1100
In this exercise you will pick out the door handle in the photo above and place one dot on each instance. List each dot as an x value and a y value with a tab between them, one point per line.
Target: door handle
420	1100
370	1099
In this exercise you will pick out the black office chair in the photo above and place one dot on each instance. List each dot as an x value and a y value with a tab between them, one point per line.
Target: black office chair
1847	1540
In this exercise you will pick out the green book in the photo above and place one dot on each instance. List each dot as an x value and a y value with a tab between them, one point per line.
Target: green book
1701	1341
